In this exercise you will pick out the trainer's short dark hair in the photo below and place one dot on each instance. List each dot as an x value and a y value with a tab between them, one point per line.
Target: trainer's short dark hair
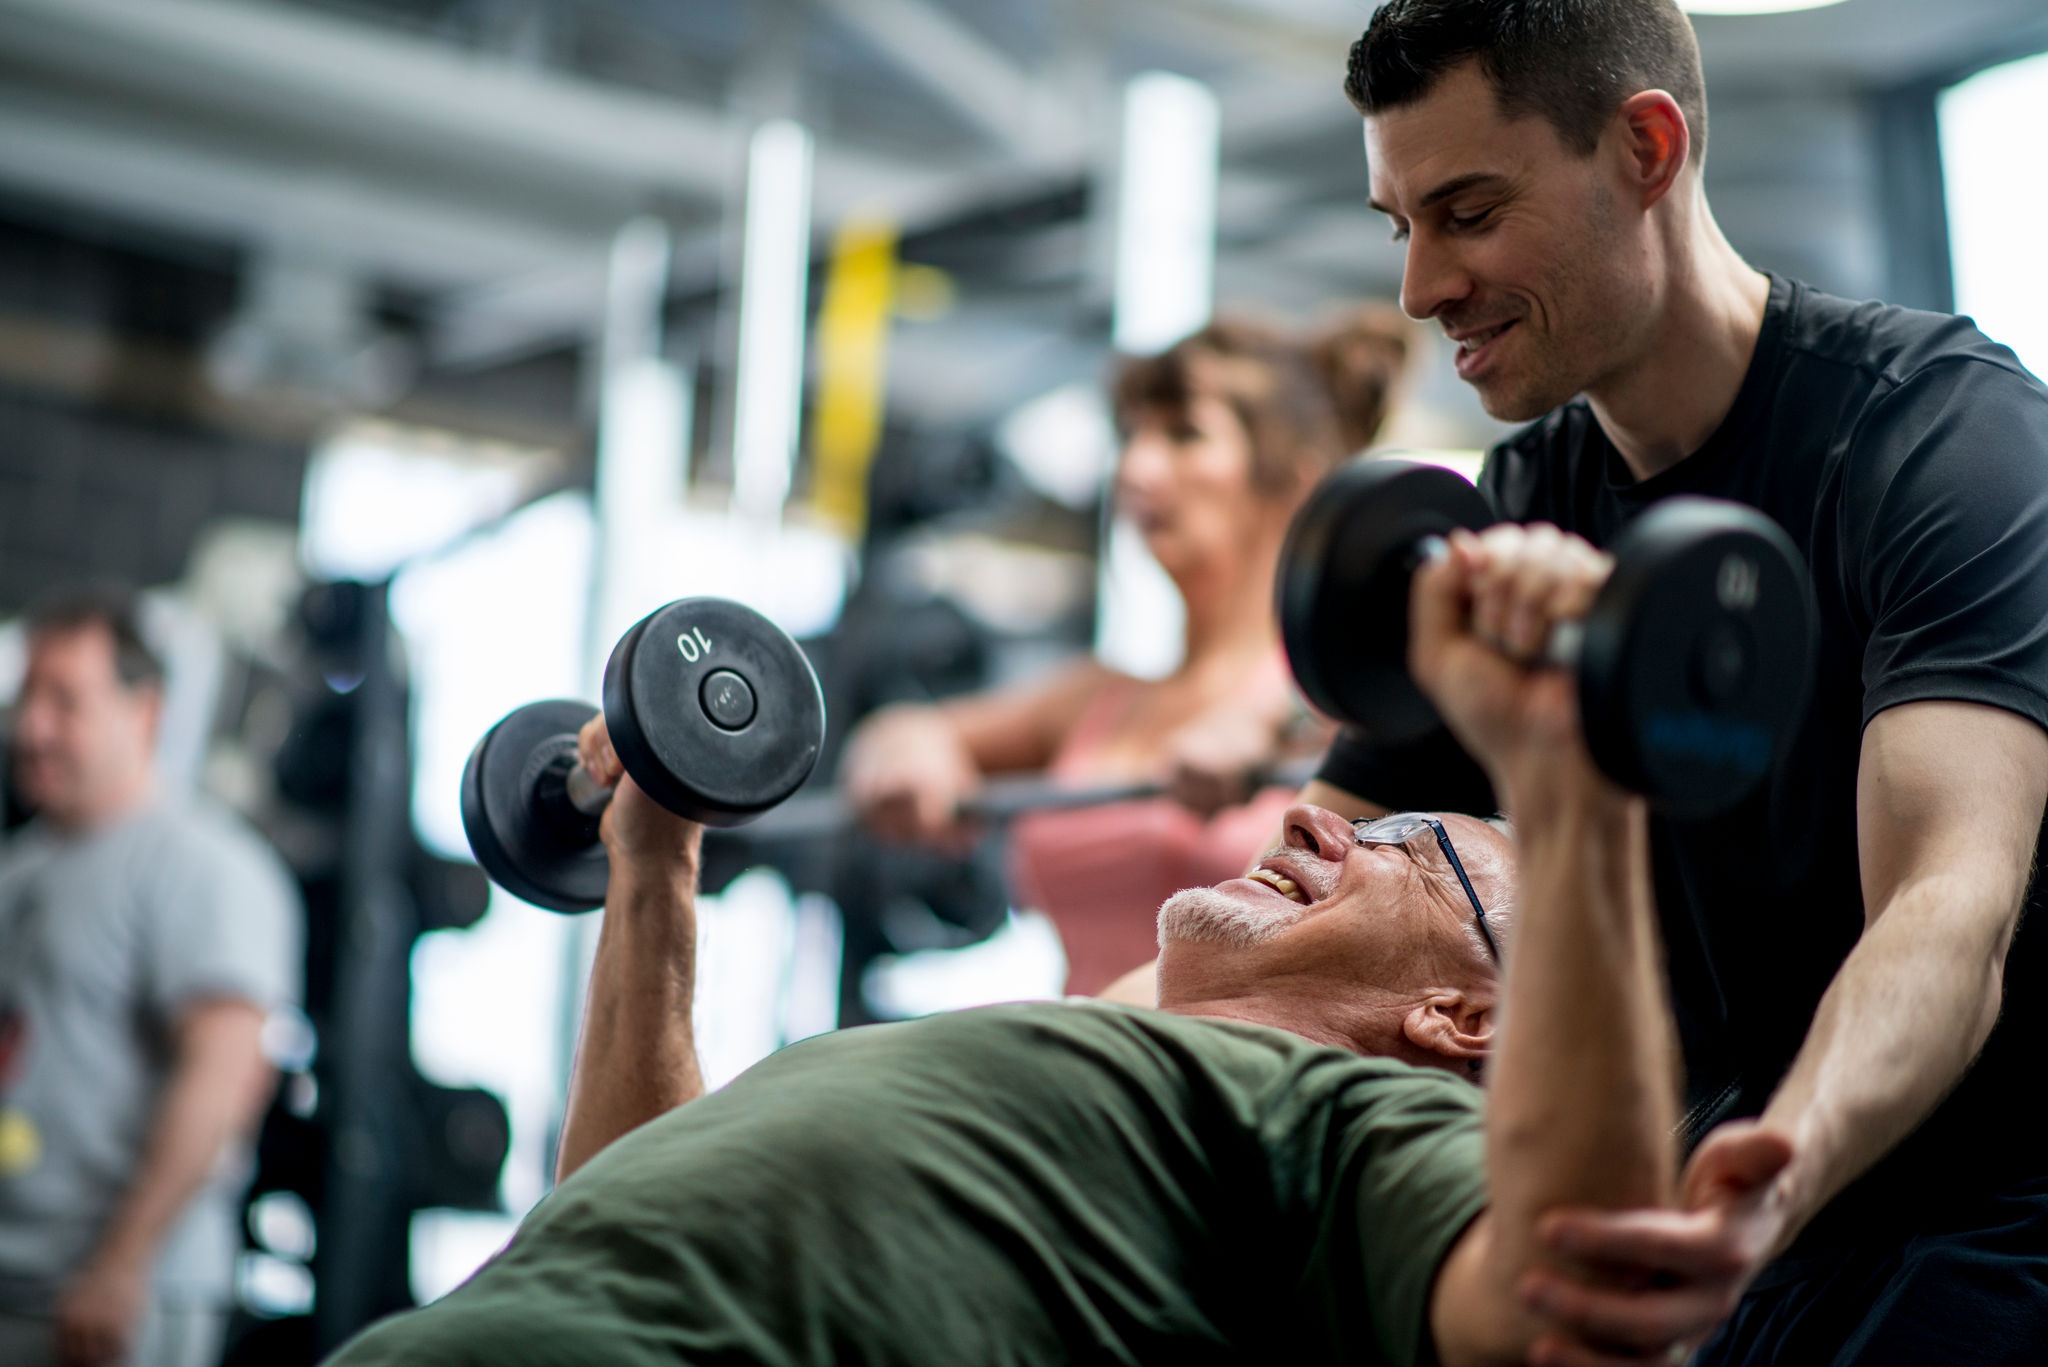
1571	61
109	608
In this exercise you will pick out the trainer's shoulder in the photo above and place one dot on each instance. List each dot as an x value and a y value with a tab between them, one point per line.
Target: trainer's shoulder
1890	345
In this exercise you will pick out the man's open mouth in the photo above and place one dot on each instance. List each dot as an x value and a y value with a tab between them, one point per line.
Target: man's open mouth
1281	884
1474	347
1472	341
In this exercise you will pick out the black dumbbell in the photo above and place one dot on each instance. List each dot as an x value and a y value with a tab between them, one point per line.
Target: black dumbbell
1693	665
711	708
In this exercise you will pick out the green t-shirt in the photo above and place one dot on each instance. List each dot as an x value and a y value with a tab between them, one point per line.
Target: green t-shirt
1042	1183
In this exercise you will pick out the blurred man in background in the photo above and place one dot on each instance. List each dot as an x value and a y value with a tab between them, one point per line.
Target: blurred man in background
143	942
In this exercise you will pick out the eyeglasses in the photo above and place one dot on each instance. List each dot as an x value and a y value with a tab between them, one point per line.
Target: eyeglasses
1402	827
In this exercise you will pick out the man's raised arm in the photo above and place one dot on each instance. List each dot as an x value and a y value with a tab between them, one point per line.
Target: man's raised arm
636	1055
1584	1090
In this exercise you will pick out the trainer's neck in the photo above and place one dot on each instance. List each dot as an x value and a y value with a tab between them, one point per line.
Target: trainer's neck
1664	406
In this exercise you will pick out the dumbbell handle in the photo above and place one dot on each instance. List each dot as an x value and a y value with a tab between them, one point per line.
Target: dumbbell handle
565	790
585	793
1561	647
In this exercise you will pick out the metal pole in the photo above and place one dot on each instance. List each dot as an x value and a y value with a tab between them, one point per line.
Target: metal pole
361	1265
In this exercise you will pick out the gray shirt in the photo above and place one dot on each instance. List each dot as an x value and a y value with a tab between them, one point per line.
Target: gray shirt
104	939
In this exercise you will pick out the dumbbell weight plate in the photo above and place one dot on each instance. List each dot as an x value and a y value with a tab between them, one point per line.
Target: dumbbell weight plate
1343	588
713	710
1698	654
550	859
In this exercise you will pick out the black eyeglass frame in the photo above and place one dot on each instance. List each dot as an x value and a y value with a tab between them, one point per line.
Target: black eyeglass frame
1443	842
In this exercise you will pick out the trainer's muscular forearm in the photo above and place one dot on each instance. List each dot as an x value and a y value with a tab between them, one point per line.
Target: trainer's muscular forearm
637	1054
1949	801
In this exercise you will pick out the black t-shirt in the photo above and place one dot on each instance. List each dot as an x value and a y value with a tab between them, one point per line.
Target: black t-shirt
1907	455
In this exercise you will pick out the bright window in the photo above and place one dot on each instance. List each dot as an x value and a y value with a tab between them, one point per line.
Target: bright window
1997	201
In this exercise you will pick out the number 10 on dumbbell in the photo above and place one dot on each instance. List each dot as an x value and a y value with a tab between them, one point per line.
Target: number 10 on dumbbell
712	709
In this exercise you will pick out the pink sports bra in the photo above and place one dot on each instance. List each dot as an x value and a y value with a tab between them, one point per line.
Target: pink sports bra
1100	873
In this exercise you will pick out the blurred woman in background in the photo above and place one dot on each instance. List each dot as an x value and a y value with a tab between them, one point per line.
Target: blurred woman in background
1224	434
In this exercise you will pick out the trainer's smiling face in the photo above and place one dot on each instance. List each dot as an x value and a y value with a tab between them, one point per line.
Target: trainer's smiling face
1515	244
1367	946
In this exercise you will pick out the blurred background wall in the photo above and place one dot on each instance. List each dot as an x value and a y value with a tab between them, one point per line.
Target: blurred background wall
408	350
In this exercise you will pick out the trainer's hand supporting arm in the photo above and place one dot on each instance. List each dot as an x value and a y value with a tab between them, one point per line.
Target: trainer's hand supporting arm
1949	801
1948	807
637	1054
1584	1089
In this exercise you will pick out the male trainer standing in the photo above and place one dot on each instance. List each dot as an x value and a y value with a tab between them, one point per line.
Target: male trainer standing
1842	946
142	942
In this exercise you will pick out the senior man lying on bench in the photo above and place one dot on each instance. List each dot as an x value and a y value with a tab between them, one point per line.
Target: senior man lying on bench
1287	1163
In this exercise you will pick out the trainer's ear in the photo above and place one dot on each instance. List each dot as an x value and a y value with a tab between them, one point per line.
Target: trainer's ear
1452	1027
1659	145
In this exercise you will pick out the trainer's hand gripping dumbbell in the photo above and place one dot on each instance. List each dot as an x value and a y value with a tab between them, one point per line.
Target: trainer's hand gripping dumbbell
1693	665
712	709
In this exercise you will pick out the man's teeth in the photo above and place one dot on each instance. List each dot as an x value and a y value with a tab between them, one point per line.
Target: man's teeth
1280	883
1480	339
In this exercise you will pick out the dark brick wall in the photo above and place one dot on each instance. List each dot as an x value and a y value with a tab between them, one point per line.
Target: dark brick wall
116	451
90	493
110	463
59	264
